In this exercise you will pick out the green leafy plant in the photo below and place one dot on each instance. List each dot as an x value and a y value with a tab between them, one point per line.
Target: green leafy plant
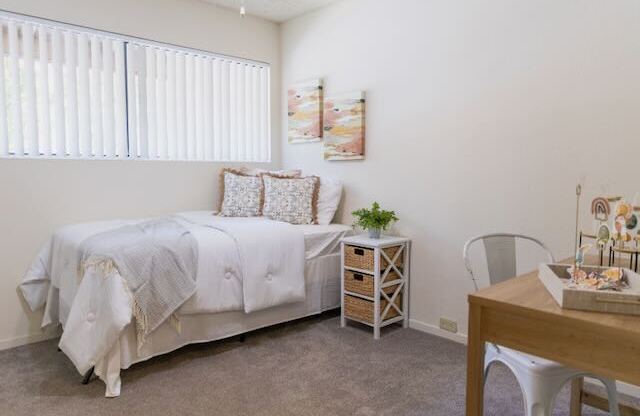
374	218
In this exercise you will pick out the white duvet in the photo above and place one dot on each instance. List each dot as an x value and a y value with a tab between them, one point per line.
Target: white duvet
243	264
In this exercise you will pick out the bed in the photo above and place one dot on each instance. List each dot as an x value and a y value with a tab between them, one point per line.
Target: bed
78	304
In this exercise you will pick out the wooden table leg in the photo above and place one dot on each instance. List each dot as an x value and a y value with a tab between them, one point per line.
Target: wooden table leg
475	363
575	404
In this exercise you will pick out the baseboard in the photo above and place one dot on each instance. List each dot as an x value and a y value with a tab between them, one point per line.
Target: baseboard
6	344
437	331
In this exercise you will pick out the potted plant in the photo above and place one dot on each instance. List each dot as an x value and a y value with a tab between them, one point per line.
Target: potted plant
374	220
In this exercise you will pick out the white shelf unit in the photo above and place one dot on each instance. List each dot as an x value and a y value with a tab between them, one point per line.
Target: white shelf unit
379	276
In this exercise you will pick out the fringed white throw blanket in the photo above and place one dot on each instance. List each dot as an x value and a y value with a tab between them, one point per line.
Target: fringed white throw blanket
158	260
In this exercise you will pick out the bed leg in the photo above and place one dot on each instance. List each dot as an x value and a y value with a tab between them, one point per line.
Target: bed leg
242	338
87	376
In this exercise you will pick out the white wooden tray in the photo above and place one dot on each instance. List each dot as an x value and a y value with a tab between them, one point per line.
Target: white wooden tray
556	279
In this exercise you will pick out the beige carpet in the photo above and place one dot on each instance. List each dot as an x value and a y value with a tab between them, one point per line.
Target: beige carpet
309	367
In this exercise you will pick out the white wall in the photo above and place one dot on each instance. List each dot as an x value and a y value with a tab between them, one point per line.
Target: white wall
481	116
39	195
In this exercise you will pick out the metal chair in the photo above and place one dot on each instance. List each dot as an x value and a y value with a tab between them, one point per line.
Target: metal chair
539	379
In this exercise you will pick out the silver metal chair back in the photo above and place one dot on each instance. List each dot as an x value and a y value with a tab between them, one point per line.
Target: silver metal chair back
500	251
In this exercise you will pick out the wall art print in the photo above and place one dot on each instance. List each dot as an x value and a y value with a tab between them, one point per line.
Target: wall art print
344	126
305	111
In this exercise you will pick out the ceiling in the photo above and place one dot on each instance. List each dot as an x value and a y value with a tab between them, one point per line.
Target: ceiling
274	10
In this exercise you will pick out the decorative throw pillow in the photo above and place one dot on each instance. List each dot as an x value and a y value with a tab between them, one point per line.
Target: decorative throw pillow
244	171
242	195
328	199
293	200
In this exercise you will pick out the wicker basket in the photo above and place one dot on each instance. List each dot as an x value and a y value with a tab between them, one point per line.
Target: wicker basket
362	309
363	283
362	258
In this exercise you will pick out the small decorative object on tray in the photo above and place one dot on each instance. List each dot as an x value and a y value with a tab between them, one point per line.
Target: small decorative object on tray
600	279
607	279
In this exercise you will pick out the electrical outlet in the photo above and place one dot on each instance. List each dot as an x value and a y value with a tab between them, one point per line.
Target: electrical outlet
449	325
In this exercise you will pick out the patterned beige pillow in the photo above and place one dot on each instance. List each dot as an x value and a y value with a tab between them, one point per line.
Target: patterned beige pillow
242	195
244	171
292	200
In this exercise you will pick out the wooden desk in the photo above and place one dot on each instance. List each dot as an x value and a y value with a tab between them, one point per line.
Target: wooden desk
520	314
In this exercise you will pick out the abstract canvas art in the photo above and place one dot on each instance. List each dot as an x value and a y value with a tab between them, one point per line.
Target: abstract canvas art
305	111
344	126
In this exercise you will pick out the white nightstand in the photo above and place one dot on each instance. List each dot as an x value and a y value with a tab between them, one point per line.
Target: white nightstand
375	281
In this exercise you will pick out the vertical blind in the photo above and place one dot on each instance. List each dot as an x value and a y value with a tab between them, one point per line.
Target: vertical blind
77	93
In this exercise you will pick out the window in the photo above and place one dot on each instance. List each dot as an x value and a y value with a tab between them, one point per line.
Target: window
69	92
